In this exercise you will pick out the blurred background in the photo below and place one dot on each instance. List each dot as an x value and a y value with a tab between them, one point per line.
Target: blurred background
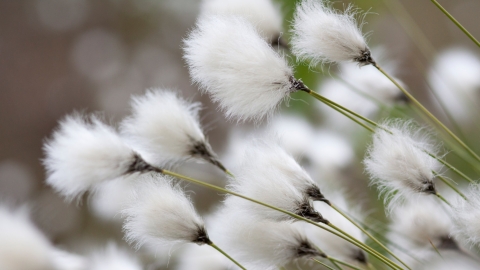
58	56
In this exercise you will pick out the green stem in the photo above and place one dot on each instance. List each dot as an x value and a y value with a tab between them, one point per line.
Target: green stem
368	249
329	258
344	113
451	167
443	199
229	173
226	255
450	185
427	112
293	215
368	234
457	150
323	264
346	264
326	100
457	23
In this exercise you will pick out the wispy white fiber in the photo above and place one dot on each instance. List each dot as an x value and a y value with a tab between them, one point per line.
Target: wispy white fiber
420	223
161	215
165	127
83	152
113	257
267	158
398	163
325	35
466	216
263	14
261	244
22	245
332	244
272	176
229	60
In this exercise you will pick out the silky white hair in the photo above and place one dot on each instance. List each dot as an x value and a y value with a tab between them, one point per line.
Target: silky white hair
160	214
229	60
267	159
420	223
466	216
324	35
83	152
399	162
164	126
263	14
260	244
22	245
270	175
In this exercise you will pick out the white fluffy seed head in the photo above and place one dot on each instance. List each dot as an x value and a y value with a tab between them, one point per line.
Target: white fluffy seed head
324	35
263	14
165	127
230	61
113	257
466	216
83	152
261	244
420	223
22	245
270	175
161	215
331	244
399	163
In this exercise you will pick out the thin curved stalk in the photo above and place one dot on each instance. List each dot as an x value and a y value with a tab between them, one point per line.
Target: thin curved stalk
329	258
346	264
457	23
226	255
451	167
368	234
359	243
395	245
444	180
428	113
346	112
338	233
323	264
324	99
443	199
